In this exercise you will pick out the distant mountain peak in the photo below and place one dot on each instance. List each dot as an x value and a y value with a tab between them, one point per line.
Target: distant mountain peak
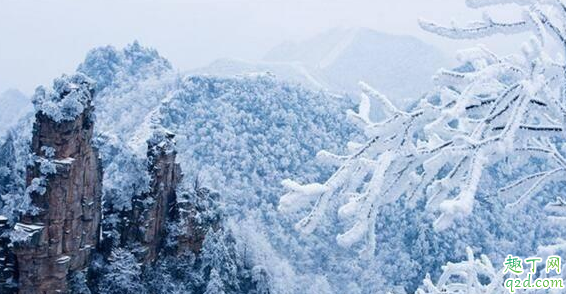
13	92
107	65
342	57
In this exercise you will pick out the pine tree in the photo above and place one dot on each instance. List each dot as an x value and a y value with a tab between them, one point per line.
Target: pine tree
78	283
14	156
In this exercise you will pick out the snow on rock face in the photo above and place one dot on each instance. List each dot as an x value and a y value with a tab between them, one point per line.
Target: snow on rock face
162	141
152	211
65	187
68	98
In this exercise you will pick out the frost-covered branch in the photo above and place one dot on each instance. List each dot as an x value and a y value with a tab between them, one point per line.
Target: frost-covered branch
467	277
485	110
476	30
542	18
480	276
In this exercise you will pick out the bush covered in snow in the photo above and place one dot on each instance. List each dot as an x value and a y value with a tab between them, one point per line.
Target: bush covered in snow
68	98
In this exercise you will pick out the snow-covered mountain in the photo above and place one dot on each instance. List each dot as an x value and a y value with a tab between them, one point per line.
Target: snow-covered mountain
13	106
241	136
238	135
264	177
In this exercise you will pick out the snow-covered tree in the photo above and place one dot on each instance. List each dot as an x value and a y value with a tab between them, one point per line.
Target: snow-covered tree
545	20
173	274
123	274
219	256
480	276
261	280
215	284
486	110
111	67
15	155
78	283
556	218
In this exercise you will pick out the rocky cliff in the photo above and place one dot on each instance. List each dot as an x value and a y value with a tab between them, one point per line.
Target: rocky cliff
152	210
54	240
65	185
198	212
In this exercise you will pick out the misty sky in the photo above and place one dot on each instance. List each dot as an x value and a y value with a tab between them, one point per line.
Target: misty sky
41	39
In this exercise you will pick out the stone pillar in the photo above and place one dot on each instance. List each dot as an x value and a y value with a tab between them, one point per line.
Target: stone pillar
152	210
65	186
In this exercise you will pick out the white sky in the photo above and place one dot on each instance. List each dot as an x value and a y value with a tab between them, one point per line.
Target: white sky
41	39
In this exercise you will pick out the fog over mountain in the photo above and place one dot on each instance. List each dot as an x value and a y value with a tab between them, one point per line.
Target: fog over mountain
339	59
344	57
13	105
194	33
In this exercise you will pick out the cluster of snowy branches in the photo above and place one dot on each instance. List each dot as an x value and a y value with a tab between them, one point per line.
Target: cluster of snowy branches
488	109
480	276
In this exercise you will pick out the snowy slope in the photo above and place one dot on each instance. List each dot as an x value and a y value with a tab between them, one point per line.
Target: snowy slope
243	134
13	106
